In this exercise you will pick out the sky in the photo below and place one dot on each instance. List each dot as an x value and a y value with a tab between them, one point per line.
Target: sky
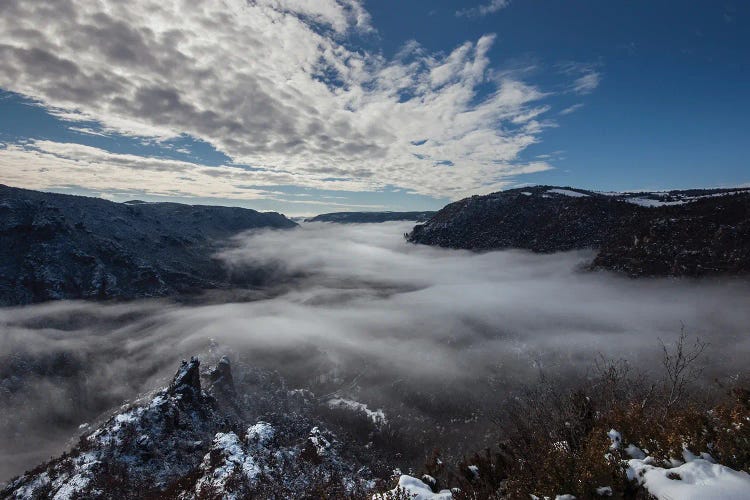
305	107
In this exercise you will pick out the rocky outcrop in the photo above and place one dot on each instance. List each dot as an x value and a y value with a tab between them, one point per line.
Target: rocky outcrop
676	233
58	246
183	444
221	378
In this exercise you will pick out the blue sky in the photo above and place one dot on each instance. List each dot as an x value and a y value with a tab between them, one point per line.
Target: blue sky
344	105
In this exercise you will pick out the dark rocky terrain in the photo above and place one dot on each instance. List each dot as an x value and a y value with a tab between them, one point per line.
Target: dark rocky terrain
710	235
57	246
370	217
676	233
207	435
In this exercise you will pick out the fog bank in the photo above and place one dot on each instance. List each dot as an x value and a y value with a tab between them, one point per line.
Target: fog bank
357	301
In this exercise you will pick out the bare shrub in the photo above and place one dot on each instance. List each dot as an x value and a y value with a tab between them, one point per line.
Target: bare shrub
680	368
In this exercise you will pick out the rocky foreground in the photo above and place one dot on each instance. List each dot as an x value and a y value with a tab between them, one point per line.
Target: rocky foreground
211	436
203	437
676	233
58	246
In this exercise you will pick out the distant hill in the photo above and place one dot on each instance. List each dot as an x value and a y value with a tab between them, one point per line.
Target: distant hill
57	246
370	217
693	233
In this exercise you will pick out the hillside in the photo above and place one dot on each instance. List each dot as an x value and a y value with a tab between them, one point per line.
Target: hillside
59	246
693	233
370	217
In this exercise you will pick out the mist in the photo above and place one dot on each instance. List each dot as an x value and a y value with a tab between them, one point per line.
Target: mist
355	309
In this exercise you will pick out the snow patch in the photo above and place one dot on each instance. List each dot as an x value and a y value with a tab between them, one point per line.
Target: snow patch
634	452
694	480
649	202
414	489
616	439
567	192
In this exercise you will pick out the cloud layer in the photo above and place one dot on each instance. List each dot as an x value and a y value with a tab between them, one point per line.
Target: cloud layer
277	85
358	300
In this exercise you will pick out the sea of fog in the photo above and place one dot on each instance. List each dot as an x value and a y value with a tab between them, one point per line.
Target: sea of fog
356	307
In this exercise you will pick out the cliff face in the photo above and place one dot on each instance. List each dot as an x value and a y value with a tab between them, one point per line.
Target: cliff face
68	247
677	233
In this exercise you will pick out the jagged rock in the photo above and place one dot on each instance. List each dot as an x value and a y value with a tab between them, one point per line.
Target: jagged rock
221	377
187	380
182	444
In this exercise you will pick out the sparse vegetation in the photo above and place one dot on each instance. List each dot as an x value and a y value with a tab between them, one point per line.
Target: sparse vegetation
556	442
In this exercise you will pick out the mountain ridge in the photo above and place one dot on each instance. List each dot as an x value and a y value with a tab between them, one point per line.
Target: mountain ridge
673	233
59	246
371	217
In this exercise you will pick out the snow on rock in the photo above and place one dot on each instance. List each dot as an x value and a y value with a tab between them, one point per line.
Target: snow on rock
604	491
187	381
233	464
70	486
616	439
261	433
694	480
27	490
321	444
414	489
183	441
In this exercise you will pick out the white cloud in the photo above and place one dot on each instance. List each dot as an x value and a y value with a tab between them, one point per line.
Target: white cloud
587	83
484	9
273	84
46	164
586	76
571	109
